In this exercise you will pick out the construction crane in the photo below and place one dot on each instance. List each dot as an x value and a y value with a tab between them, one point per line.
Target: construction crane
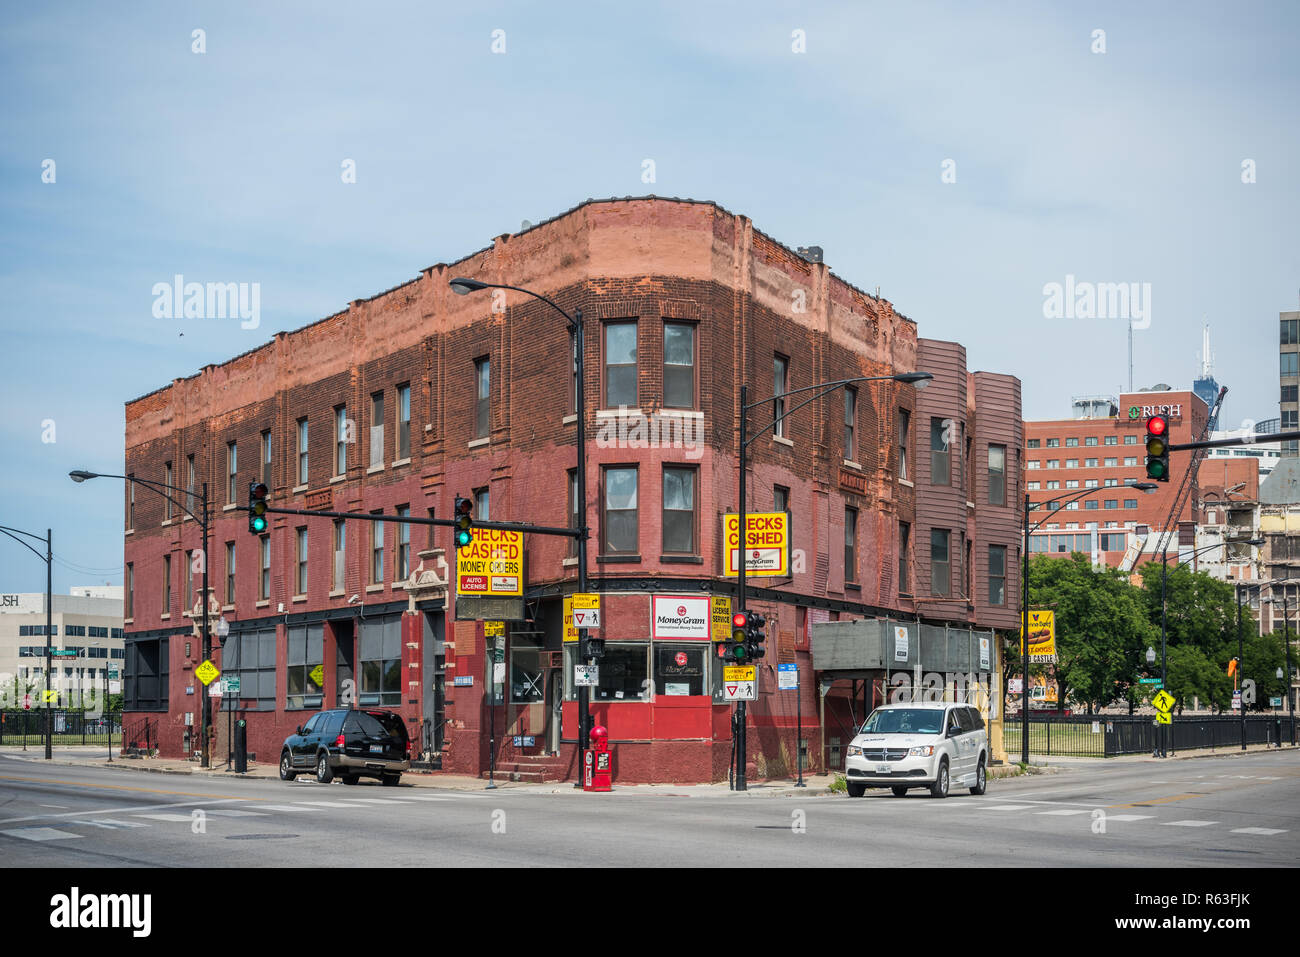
1189	475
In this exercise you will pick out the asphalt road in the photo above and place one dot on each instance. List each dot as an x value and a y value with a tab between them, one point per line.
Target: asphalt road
1205	812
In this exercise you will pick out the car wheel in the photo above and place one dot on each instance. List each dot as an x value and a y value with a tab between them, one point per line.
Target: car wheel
939	789
350	779
287	772
324	774
392	780
981	779
899	792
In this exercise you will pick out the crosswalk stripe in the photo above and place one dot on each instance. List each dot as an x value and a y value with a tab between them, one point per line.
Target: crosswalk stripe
284	807
328	804
423	798
40	834
374	801
1129	817
174	818
1263	831
223	812
1068	810
116	823
1188	823
1005	807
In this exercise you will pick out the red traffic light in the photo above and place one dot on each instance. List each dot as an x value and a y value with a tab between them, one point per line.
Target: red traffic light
739	620
1156	425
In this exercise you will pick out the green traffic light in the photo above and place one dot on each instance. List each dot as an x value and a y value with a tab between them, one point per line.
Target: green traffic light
739	652
1155	470
462	538
259	524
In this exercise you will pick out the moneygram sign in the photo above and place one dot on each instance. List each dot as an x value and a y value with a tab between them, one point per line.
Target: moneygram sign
680	616
491	565
767	545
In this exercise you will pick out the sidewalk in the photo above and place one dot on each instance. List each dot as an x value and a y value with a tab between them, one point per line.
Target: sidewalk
75	756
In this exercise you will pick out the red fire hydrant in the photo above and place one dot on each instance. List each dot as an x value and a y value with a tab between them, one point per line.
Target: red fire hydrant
597	773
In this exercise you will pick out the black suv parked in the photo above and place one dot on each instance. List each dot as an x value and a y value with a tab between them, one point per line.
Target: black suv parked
349	744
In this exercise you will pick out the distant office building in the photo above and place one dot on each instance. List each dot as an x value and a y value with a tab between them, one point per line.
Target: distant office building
1264	454
1205	385
1289	377
88	622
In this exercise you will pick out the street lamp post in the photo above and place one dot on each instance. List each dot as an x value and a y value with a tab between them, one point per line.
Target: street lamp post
1151	663
918	379
1286	637
1024	599
462	287
48	558
80	475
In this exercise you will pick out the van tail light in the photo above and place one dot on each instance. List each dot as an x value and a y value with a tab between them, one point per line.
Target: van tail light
338	742
408	747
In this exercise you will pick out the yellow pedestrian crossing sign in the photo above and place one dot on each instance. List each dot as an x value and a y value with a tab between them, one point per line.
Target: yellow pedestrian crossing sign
1163	702
1164	717
207	672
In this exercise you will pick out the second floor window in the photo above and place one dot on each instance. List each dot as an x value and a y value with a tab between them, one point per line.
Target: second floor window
167	502
940	565
574	515
341	437
130	591
264	578
302	451
340	550
230	573
904	558
482	397
679	365
376	551
850	420
679	511
904	434
940	457
190	475
997	475
266	458
403	422
997	574
850	545
403	544
232	471
780	385
301	583
376	429
620	366
619	528
167	585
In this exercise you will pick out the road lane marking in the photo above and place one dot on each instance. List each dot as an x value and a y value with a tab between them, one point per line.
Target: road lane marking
1151	801
1129	817
61	807
125	787
174	818
1004	807
284	807
1262	831
104	810
1188	823
227	812
1068	810
40	834
111	823
329	804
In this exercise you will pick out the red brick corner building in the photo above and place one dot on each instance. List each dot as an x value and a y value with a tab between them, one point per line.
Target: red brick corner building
902	501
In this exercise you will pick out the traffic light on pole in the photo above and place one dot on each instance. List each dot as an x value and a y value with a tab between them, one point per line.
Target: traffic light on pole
257	492
755	627
591	648
738	648
1158	448
464	522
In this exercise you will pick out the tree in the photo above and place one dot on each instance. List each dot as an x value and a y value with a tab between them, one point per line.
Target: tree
1263	655
1193	675
1200	610
1102	627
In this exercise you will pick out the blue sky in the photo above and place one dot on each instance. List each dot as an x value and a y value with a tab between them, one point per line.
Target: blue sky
1122	166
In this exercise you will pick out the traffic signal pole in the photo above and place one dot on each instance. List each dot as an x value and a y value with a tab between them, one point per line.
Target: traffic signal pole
740	578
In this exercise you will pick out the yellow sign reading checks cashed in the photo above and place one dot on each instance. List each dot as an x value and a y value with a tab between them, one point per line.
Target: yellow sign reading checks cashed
766	548
1042	637
492	564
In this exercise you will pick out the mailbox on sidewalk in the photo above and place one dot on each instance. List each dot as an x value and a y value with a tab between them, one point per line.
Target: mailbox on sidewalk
597	768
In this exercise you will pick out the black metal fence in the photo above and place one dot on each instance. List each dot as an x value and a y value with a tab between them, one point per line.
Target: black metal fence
1103	736
69	727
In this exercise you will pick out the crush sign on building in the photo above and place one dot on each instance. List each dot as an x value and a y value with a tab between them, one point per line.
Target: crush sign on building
492	564
767	544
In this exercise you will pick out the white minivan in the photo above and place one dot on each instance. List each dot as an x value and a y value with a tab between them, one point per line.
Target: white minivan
934	745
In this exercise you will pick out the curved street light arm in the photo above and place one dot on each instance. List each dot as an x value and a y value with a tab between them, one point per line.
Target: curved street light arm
9	531
536	295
